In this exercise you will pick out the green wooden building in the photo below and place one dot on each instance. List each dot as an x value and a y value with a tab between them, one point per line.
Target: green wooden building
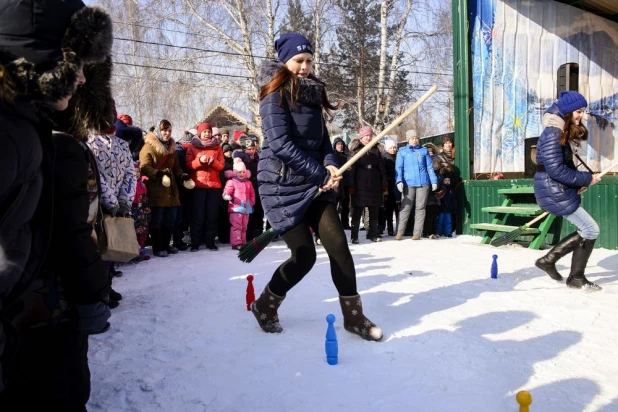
511	58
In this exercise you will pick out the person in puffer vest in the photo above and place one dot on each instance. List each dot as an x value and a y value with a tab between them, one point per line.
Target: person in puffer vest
558	185
296	161
240	196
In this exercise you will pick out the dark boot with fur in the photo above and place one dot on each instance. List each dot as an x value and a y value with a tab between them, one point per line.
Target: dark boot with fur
581	254
547	263
265	311
354	321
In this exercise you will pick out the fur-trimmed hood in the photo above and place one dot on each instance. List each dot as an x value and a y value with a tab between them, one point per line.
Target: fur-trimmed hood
158	146
311	88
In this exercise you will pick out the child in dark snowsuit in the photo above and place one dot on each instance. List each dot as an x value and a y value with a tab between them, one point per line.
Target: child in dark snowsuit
448	206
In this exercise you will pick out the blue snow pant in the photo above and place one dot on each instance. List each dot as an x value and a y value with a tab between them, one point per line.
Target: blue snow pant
445	225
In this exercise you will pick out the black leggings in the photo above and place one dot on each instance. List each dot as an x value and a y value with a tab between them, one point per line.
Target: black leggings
323	219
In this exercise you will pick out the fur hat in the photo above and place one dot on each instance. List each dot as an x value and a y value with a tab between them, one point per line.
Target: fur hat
239	166
45	56
365	131
224	131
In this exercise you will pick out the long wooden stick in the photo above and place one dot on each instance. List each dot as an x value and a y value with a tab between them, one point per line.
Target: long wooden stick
384	132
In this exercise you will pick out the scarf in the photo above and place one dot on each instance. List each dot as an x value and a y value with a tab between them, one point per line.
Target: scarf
198	143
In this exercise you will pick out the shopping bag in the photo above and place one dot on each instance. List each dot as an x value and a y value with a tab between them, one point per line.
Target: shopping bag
118	242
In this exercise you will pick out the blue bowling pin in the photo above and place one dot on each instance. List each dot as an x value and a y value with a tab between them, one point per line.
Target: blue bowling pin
331	345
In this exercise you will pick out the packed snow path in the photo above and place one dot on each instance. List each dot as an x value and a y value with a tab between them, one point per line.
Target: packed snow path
454	339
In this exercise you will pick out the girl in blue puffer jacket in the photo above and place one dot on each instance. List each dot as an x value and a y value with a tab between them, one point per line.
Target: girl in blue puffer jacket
558	184
296	159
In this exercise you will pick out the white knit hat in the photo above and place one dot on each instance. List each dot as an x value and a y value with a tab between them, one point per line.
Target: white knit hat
388	143
239	166
410	134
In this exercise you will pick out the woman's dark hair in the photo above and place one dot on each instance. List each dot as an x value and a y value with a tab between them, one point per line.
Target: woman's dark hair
285	81
572	131
164	124
447	139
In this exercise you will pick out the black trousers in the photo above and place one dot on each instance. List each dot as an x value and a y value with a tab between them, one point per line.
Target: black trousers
432	214
183	215
255	227
343	207
370	221
322	217
223	224
204	215
49	371
390	208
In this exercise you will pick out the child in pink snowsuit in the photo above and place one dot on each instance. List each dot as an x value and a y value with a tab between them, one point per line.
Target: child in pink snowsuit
241	197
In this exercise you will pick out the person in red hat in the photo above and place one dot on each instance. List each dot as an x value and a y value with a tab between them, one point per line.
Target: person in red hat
367	185
205	161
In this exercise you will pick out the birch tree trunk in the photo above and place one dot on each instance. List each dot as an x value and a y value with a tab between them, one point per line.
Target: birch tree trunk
378	123
317	41
395	58
270	41
241	17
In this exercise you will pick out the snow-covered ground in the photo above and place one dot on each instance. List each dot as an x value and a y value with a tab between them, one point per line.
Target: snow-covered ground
455	340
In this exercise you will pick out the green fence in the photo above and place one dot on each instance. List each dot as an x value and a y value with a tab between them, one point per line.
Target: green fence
601	201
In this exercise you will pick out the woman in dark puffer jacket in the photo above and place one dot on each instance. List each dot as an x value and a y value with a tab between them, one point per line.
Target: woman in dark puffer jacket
558	184
297	159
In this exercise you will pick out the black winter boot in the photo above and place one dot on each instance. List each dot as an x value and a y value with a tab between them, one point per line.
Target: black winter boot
157	243
265	311
166	238
354	232
547	263
374	233
354	321
581	254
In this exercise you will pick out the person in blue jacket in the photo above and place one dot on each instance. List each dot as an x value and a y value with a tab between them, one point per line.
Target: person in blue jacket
415	174
558	185
296	160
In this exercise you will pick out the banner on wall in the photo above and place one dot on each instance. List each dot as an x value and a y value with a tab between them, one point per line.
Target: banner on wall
517	47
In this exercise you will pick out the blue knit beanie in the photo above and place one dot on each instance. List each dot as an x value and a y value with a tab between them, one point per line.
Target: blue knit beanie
291	44
570	101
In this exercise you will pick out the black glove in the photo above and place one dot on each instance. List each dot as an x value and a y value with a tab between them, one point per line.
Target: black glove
185	177
123	211
112	211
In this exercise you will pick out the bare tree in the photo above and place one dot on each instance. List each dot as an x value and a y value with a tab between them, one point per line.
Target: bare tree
385	7
317	42
395	60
